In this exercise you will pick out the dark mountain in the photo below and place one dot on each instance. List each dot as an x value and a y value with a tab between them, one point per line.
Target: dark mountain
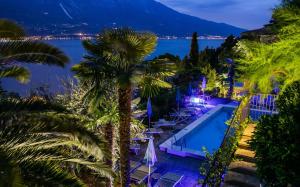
70	16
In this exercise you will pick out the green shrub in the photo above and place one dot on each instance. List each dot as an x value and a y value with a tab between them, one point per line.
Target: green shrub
277	143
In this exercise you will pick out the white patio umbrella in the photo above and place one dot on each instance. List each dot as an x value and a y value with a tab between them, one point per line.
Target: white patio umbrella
149	110
150	157
203	89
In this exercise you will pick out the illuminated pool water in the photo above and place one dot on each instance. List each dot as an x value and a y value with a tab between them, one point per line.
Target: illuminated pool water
208	132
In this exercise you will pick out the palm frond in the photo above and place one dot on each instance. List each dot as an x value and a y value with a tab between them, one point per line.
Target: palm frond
262	65
35	103
150	86
125	47
19	73
31	52
10	30
48	174
35	140
37	167
99	168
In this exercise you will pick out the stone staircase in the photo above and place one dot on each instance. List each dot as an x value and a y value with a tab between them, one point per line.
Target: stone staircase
242	171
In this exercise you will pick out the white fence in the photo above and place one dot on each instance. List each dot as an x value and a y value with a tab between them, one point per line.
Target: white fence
262	104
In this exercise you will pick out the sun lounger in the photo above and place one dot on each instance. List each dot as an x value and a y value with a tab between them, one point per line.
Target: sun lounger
154	131
206	97
139	113
164	123
134	165
141	173
135	148
181	116
168	180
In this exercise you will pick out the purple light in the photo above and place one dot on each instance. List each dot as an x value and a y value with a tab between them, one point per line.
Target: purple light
196	100
203	83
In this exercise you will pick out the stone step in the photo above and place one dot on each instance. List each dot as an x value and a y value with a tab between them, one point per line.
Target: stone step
245	155
237	179
236	184
243	167
249	130
243	143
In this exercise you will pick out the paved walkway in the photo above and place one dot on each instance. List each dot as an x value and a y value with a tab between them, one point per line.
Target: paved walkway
242	171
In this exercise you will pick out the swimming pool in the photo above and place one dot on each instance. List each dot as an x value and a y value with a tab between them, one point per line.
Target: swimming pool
208	131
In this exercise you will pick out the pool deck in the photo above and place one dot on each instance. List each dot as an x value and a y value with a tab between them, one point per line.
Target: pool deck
189	167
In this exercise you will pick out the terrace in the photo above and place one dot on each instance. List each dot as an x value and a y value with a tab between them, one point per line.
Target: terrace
189	166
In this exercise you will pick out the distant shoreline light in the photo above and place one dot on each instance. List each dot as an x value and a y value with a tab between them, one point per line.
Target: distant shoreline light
82	36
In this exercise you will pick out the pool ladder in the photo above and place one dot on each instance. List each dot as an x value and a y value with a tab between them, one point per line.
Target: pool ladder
182	142
173	141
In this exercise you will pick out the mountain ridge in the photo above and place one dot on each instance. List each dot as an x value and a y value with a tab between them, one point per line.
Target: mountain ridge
90	16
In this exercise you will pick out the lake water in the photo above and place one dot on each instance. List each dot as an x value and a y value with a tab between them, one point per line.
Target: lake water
50	76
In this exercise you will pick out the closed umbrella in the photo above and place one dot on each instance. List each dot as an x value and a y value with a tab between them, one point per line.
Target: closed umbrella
150	157
203	88
203	83
178	97
149	110
190	89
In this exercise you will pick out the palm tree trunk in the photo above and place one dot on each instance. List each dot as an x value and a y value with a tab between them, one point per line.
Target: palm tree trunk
125	117
230	90
108	134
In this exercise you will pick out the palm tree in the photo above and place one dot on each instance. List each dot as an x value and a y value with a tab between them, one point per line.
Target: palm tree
116	56
104	116
107	116
39	145
14	51
231	74
102	112
264	65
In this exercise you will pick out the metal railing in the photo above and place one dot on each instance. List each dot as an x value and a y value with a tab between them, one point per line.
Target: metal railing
262	104
181	142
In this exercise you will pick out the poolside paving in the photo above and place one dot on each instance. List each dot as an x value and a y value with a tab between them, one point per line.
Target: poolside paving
189	167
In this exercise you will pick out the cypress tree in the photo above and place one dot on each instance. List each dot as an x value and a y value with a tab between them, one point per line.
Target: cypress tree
186	63
194	53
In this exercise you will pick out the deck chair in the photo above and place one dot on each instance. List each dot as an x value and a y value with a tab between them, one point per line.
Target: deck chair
134	165
135	148
141	173
168	180
154	131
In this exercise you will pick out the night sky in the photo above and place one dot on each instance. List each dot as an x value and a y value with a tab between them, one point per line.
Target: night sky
248	14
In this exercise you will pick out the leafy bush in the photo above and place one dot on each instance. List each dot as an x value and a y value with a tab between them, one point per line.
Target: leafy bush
276	141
